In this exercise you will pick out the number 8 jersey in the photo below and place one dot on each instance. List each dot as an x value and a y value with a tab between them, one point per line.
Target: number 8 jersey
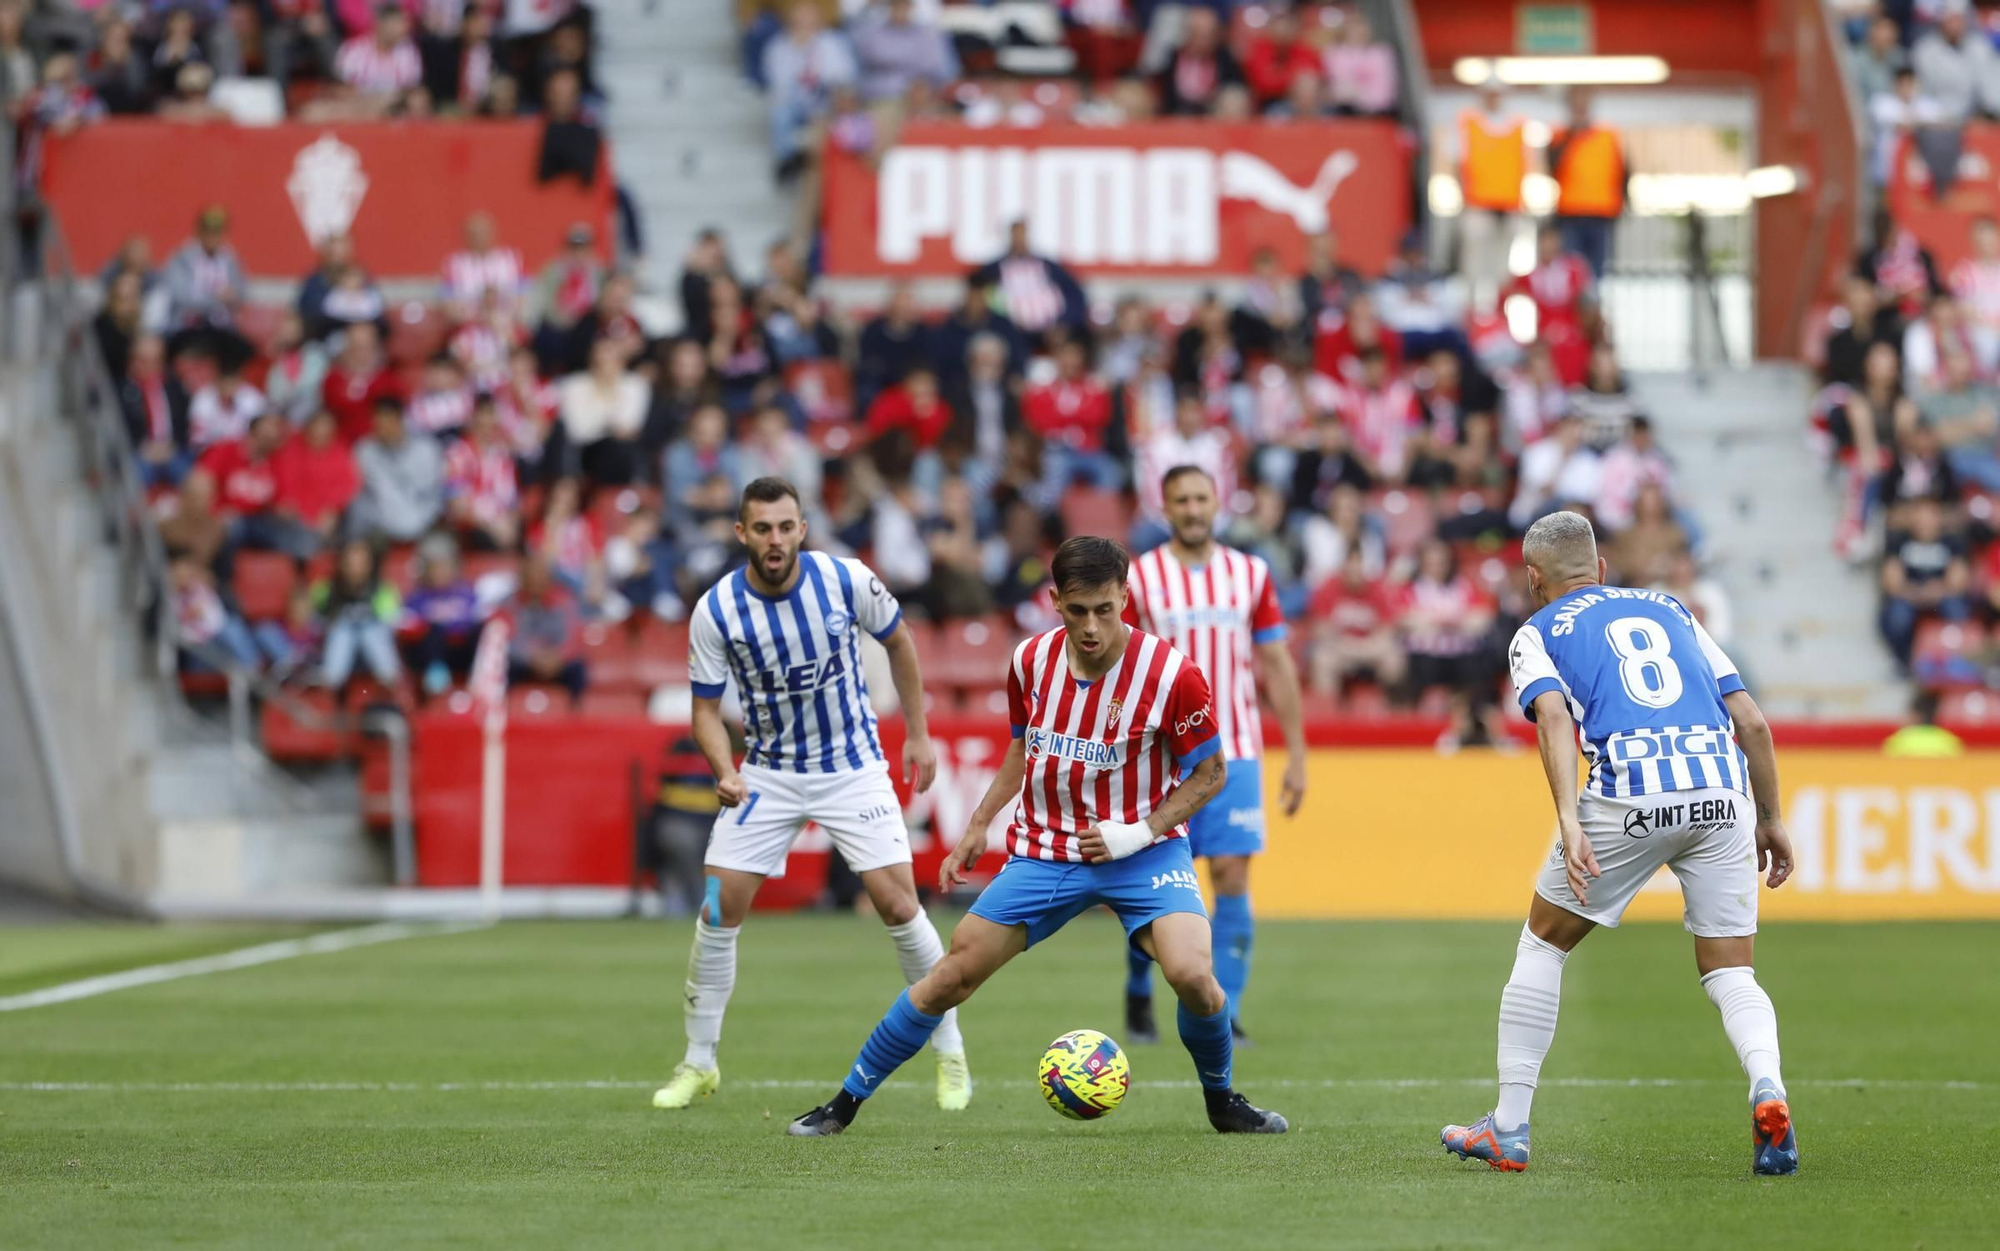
1645	684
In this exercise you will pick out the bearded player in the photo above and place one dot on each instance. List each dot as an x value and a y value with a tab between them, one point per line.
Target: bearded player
1218	607
1679	757
1105	719
786	629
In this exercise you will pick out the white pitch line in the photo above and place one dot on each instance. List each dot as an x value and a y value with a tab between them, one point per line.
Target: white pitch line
1331	1083
244	958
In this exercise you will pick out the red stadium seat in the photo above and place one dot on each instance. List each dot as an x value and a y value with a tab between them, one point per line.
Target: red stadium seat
973	654
263	582
1970	708
259	324
416	333
1087	510
1408	516
476	565
319	736
612	704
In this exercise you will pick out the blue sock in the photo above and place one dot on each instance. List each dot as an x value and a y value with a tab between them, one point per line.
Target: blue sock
1233	930
902	1034
1207	1040
1138	972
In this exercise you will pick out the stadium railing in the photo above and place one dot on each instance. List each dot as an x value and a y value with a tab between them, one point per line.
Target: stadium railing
130	529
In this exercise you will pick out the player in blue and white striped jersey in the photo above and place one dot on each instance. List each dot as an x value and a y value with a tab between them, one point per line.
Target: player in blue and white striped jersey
1678	756
786	629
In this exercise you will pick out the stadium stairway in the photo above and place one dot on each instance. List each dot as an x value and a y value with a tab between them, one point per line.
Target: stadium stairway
1804	619
133	800
688	134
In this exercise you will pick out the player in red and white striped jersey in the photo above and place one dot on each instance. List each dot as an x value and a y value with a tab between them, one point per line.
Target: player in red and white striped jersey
1105	717
383	64
1219	607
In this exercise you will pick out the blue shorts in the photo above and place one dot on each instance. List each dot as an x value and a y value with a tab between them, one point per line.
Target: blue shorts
1232	824
1045	894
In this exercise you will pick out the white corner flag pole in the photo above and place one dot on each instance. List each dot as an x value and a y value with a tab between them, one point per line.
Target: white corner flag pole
489	692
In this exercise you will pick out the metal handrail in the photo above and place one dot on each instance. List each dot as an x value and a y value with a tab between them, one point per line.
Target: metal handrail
120	489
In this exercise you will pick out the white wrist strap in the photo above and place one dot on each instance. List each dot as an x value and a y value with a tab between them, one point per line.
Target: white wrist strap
1123	838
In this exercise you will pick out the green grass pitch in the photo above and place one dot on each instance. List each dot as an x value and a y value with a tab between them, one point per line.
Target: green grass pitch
492	1089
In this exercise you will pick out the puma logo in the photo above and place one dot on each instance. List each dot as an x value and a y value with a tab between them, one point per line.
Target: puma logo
1245	176
866	1078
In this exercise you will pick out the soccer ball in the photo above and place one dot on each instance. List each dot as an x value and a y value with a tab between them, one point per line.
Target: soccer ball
1084	1075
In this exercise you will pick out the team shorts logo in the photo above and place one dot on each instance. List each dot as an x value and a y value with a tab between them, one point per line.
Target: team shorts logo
1706	816
1251	819
1177	877
838	623
1637	824
1194	720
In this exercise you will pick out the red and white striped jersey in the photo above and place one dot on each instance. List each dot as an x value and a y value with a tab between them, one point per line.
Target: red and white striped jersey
470	275
1105	750
1215	615
374	70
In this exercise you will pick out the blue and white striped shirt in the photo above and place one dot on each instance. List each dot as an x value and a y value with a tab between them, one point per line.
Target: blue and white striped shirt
1645	684
797	663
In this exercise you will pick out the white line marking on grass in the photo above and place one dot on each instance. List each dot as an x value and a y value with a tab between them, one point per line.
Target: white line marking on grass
247	957
1330	1083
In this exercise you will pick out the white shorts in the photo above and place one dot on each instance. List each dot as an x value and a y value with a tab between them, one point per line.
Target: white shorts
858	810
1707	837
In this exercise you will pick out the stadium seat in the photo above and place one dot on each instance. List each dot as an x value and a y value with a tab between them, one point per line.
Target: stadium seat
972	655
1088	510
612	704
1970	708
263	582
1408	515
320	733
416	334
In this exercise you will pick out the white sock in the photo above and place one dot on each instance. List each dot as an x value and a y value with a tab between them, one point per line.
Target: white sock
918	948
711	978
1527	1026
1749	1020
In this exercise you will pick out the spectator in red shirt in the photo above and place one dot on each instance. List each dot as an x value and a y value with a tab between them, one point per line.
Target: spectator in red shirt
1341	337
545	643
480	488
317	477
913	406
1072	413
359	378
1277	56
1557	284
246	479
1355	619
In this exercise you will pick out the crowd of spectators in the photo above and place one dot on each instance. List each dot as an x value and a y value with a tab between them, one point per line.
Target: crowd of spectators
1909	418
1381	447
64	63
852	72
1922	71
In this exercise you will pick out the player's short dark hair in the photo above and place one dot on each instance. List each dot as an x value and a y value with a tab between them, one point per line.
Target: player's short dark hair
1167	478
768	491
1088	561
